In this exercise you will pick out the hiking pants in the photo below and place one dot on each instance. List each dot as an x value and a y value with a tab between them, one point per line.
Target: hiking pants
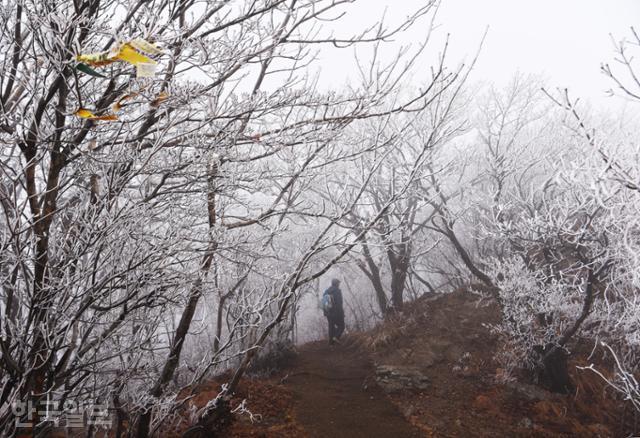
336	325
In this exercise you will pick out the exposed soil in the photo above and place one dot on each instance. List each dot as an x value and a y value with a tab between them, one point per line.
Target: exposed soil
446	338
429	371
268	413
335	395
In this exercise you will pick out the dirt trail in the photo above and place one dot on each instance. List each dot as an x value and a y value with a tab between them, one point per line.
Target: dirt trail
437	362
335	395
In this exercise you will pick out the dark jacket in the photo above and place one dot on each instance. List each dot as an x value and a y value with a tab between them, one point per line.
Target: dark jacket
336	293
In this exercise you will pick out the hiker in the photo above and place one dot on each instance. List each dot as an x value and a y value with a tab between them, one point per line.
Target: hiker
332	308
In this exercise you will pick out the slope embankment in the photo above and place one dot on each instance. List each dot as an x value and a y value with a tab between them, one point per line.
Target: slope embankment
428	371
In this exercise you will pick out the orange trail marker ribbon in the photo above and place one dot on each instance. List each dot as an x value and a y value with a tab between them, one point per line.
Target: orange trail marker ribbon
159	99
116	107
98	59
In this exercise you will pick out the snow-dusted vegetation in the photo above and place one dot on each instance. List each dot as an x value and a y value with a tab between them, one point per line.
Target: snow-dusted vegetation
176	183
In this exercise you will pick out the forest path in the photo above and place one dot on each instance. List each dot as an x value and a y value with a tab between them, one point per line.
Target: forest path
336	396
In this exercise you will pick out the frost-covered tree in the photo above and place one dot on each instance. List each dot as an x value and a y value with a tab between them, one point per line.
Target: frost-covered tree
565	242
157	156
389	254
616	149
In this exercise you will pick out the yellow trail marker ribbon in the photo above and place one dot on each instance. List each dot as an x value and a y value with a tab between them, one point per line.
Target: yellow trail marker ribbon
84	113
132	52
128	54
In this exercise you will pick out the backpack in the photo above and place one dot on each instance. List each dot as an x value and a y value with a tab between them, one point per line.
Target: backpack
327	302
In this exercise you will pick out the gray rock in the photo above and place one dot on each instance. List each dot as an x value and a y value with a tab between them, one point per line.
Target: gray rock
409	411
398	378
526	423
530	392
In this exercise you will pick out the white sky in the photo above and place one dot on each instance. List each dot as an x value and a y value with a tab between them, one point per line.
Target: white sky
563	40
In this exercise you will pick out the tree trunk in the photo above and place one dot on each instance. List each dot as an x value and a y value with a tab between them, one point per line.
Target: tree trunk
373	273
144	421
400	269
175	350
464	255
220	314
216	417
553	370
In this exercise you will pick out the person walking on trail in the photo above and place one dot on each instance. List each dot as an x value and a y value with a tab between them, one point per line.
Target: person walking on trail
333	310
